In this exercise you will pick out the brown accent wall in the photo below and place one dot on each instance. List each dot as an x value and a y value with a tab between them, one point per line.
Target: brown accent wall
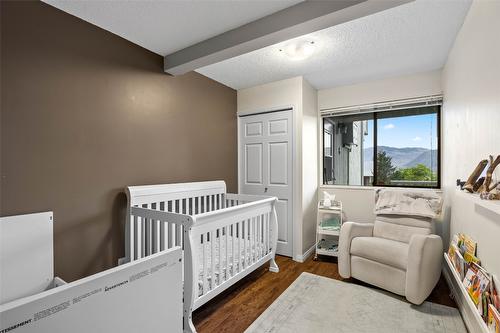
85	113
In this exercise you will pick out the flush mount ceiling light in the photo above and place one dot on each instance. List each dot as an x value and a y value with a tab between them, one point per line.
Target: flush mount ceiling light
299	50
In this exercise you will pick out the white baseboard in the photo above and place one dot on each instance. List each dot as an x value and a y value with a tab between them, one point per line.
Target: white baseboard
303	257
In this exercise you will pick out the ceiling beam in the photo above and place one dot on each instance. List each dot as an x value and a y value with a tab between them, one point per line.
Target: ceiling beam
300	19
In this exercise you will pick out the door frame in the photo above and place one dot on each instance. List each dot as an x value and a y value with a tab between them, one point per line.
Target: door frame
296	198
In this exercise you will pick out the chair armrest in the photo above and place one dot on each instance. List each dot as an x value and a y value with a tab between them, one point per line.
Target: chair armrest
349	231
425	254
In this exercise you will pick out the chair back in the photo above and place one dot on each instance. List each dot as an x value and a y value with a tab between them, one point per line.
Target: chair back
401	227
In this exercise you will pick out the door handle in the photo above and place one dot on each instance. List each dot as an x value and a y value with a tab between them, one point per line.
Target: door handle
265	190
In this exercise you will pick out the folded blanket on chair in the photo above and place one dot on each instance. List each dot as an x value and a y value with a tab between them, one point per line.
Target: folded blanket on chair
404	202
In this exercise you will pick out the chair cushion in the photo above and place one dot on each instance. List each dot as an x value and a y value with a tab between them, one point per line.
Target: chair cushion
381	275
385	251
397	232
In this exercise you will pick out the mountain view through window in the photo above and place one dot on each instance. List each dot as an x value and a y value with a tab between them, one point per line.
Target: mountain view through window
406	153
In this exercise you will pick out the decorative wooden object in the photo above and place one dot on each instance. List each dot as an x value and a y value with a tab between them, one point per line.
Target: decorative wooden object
489	174
469	184
478	184
495	187
493	194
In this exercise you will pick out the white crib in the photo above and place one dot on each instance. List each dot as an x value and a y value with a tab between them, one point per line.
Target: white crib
224	236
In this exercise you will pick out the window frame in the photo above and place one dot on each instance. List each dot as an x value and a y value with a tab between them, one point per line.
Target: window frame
375	144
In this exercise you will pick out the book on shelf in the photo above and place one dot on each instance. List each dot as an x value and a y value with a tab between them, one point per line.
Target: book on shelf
462	253
478	283
495	298
467	245
469	276
458	261
493	319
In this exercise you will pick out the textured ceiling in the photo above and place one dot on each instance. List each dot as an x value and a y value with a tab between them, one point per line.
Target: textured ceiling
411	38
166	26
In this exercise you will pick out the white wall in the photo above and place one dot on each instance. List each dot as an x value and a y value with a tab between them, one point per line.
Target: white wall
298	93
309	164
410	86
274	95
471	118
358	202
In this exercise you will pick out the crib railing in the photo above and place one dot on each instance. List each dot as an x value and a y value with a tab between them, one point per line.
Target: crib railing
252	229
245	229
149	232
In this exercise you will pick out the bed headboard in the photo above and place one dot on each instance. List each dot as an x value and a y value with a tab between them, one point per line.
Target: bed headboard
147	194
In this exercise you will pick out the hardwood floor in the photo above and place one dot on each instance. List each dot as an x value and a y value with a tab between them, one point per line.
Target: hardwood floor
236	308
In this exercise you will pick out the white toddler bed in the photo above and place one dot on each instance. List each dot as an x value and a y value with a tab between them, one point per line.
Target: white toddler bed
224	236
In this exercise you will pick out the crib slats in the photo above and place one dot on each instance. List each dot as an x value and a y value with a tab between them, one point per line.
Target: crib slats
243	247
264	242
136	239
261	238
250	241
257	239
257	242
246	239
264	234
226	276
268	234
147	229
254	239
238	249
233	237
212	261
220	256
205	263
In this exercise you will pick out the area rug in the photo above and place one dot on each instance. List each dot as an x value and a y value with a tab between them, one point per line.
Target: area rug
317	304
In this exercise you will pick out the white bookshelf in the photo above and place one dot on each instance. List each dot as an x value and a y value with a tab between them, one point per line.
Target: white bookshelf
467	308
491	205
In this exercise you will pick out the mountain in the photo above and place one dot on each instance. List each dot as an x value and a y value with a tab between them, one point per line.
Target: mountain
403	157
427	158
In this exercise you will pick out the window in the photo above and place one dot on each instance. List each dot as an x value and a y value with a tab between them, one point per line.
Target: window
386	148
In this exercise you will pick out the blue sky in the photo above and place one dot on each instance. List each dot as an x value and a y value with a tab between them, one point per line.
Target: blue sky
400	132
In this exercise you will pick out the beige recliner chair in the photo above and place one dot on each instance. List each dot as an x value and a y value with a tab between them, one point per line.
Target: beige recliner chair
398	253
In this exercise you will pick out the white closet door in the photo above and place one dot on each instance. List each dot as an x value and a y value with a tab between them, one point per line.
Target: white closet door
266	166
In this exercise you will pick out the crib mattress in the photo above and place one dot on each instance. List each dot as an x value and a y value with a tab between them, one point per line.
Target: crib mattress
223	271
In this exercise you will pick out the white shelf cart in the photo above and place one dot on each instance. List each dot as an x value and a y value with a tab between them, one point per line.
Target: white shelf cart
327	235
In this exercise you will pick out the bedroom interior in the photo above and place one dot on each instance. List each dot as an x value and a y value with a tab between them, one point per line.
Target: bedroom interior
249	166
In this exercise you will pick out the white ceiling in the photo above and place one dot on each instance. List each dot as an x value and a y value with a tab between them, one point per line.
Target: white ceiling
411	38
166	26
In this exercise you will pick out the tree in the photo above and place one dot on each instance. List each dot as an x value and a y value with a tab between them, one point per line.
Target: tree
385	169
418	173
